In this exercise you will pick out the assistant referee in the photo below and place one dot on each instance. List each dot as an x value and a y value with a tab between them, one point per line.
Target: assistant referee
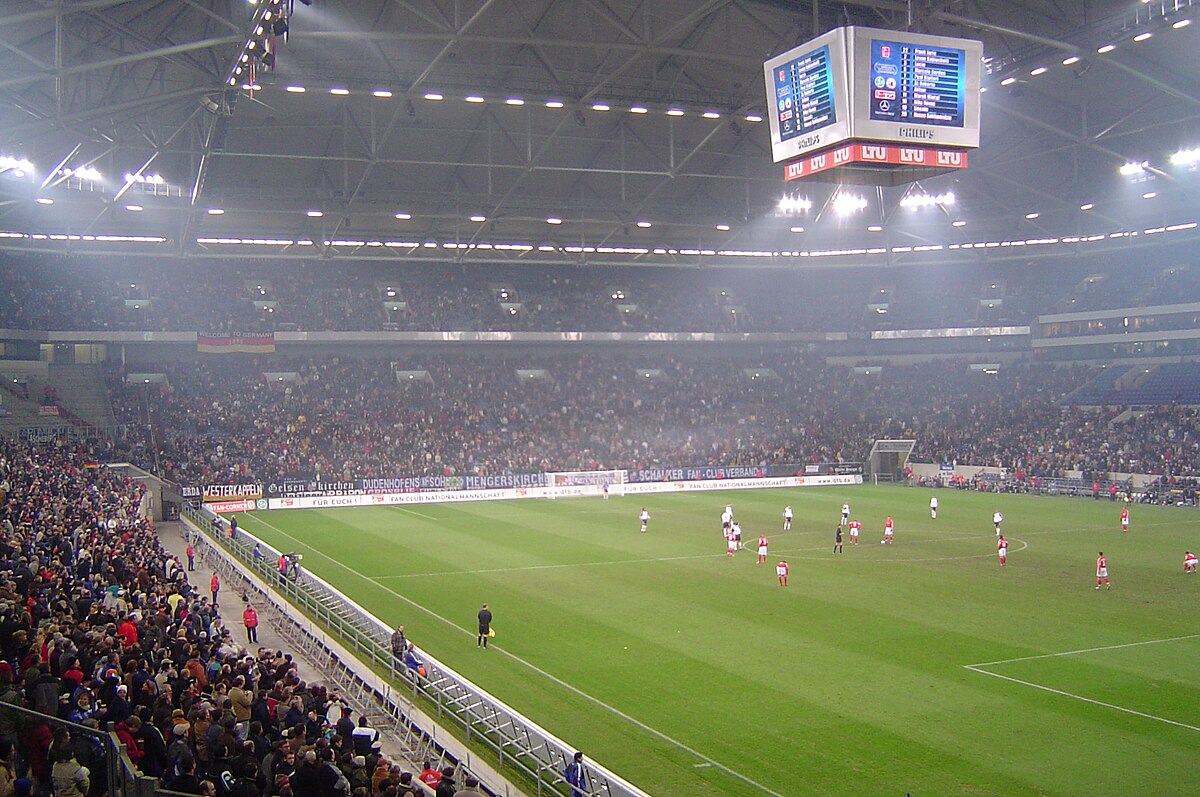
485	626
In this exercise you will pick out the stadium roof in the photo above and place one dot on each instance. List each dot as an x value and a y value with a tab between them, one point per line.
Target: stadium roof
417	116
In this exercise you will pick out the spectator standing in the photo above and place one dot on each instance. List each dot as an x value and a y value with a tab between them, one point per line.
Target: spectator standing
250	620
574	774
446	786
429	775
399	645
191	557
214	586
70	779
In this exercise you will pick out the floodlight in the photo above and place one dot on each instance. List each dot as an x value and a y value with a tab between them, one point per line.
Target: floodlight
711	115
382	94
723	227
599	106
674	112
639	109
478	218
554	103
1186	157
753	118
1141	37
845	204
1133	168
339	91
554	220
433	96
474	98
514	101
1070	59
403	216
1107	48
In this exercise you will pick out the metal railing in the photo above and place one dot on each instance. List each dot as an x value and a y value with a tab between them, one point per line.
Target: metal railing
510	741
98	750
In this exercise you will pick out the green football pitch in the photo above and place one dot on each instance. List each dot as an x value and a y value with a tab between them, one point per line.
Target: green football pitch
921	667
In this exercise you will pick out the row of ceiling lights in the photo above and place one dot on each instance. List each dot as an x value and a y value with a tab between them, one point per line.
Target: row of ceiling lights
626	250
843	205
433	96
1104	49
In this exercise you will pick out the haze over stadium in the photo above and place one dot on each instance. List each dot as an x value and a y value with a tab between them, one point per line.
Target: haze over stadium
345	258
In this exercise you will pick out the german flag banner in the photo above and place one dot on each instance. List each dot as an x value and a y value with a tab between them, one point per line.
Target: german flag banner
238	343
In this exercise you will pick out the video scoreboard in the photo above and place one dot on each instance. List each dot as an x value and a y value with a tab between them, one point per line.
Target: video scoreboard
874	85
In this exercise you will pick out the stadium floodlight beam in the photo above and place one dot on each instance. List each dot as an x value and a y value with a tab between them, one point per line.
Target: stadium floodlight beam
914	201
1133	168
1186	157
794	204
845	204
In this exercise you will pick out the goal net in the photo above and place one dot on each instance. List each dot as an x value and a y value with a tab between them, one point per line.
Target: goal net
585	482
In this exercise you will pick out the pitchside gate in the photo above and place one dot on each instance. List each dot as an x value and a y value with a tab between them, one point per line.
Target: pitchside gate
887	459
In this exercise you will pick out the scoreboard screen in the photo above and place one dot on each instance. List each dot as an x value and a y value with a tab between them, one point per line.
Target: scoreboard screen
873	85
917	83
804	94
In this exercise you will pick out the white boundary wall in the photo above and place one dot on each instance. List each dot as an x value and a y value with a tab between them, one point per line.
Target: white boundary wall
513	493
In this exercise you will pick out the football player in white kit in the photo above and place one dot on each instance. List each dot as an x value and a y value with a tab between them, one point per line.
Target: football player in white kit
787	518
997	519
645	518
933	507
845	514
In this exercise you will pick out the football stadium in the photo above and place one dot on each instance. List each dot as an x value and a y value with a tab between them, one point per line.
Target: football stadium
597	398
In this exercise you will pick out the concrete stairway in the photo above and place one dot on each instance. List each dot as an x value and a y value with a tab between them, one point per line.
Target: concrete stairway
82	392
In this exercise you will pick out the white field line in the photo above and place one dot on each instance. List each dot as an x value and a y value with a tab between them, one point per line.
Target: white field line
979	669
1083	650
1112	706
574	690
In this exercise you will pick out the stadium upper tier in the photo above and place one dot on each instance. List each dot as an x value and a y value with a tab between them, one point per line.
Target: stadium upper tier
344	418
83	294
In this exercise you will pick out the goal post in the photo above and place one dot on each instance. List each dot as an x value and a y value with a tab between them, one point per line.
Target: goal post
585	482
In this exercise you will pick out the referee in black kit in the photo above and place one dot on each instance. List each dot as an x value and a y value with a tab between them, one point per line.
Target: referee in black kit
485	626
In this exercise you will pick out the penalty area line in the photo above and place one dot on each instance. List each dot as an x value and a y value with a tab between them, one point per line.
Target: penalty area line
534	668
1101	703
1083	650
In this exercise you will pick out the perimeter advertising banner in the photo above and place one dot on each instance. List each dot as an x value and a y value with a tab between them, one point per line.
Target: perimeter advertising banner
232	492
513	493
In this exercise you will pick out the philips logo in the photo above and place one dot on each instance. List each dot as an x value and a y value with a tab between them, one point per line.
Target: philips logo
916	132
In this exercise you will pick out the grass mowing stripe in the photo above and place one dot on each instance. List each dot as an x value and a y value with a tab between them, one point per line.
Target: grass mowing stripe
533	668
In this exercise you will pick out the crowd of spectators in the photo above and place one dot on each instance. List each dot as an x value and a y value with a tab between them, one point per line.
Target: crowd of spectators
342	418
99	626
64	293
